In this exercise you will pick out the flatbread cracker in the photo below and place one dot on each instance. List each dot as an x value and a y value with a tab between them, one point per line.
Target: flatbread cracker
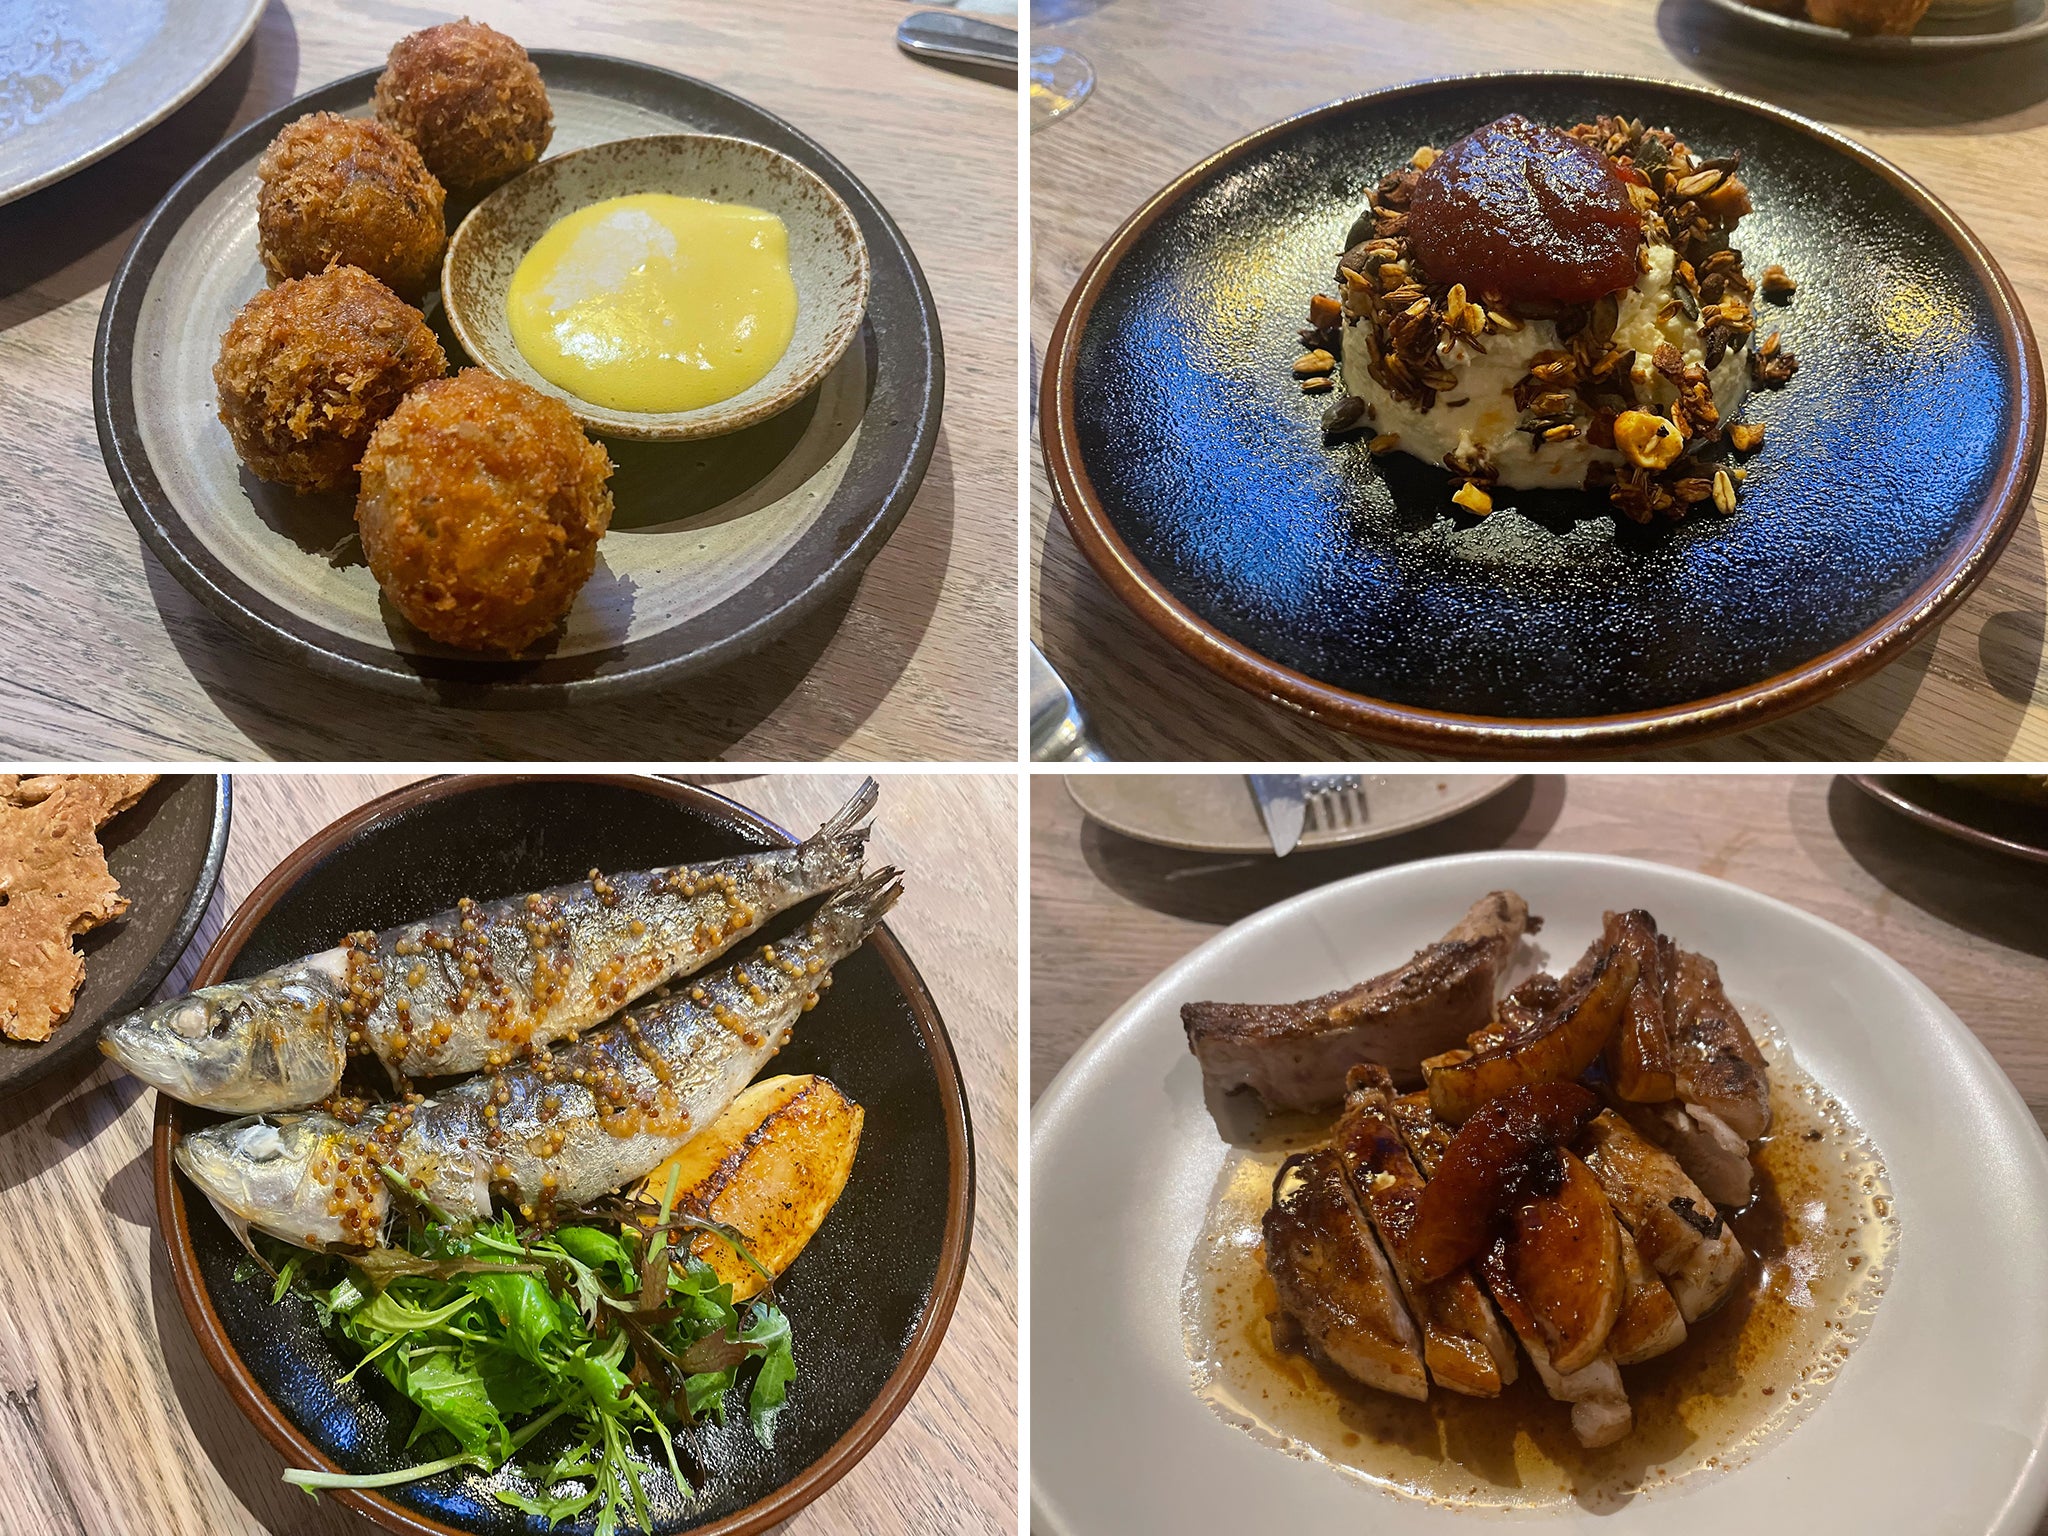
54	885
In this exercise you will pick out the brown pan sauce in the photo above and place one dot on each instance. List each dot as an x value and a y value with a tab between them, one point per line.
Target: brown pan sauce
1819	1230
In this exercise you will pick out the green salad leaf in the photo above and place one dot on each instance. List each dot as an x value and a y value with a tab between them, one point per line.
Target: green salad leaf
494	1334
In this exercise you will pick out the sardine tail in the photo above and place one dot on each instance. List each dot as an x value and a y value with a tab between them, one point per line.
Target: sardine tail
846	834
868	899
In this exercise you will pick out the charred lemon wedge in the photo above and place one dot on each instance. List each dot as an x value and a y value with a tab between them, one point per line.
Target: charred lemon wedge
771	1167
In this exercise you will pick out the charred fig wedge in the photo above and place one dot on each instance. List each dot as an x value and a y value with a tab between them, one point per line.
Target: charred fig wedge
1564	1253
1496	1156
1567	1043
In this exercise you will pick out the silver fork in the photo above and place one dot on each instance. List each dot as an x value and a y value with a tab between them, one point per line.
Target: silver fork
1334	801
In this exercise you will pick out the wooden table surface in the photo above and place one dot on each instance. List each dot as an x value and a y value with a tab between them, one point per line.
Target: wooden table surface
1108	914
114	1424
1177	79
109	657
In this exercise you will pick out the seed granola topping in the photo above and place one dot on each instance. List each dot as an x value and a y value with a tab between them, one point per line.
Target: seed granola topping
1590	388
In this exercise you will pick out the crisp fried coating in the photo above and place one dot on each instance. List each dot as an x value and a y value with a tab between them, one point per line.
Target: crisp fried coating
472	101
308	369
349	190
54	885
481	506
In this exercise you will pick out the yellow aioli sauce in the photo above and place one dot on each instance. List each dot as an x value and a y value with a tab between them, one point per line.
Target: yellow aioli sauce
655	302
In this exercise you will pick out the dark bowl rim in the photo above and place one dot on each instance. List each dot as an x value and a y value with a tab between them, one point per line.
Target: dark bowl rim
80	1042
901	1384
482	682
1447	732
1876	786
1940	46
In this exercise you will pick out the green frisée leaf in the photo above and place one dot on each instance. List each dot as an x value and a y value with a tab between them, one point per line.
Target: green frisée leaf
615	1338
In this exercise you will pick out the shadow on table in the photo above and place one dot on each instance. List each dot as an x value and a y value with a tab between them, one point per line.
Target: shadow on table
1993	895
67	239
46	1123
823	678
1223	887
1907	92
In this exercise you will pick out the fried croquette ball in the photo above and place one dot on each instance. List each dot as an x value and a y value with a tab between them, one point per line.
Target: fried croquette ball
309	368
345	189
470	99
481	507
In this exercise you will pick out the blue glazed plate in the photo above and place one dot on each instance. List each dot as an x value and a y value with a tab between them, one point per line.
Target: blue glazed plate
1194	472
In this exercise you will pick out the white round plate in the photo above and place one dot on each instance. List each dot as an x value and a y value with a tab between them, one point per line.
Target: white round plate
1935	1425
1215	813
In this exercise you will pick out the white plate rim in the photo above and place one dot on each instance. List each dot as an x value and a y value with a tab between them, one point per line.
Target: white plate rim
2021	1509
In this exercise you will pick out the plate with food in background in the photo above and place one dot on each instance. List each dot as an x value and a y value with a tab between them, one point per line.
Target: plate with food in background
1536	1184
2005	811
1542	413
651	464
483	1196
1895	29
104	879
1220	814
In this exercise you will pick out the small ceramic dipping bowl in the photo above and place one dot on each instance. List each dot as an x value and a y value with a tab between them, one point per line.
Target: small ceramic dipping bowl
828	260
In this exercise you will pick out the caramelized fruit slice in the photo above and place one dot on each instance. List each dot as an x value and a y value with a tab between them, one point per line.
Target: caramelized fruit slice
1487	1165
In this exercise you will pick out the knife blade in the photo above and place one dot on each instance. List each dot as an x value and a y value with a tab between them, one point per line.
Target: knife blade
1281	807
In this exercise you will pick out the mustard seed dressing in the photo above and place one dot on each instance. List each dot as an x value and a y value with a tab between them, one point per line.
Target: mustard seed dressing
1820	1233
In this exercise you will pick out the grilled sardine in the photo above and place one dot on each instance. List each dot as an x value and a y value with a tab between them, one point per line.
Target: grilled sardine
480	986
563	1128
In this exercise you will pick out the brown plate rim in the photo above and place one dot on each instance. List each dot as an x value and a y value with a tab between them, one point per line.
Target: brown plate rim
1875	786
849	1448
1447	732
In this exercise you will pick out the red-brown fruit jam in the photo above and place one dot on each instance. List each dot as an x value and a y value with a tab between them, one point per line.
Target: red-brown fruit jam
1522	212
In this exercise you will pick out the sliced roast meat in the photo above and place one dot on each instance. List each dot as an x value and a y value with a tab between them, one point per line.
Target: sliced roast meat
1335	1285
1650	1323
1712	1155
1677	1228
1295	1055
1463	1342
1600	1409
1718	1065
1639	1060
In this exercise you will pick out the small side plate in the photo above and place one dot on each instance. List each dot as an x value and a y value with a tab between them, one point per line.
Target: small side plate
2002	24
166	851
1965	808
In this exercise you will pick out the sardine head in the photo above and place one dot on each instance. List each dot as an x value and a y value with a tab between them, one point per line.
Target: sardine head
248	1046
268	1173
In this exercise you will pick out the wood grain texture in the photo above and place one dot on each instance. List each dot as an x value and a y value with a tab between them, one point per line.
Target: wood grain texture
1108	914
113	1424
109	657
1178	79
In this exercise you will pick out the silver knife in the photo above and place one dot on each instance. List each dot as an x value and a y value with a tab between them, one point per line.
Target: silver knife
1281	807
961	39
1059	731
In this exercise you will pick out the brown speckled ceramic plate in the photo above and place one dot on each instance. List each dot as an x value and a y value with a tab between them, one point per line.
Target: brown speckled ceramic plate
828	262
716	545
166	851
869	1297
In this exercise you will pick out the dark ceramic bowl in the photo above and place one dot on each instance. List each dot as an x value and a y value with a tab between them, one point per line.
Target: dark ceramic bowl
166	852
1962	808
869	1298
1194	473
1938	37
716	546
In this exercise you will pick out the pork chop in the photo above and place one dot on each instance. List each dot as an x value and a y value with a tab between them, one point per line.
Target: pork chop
1295	1055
